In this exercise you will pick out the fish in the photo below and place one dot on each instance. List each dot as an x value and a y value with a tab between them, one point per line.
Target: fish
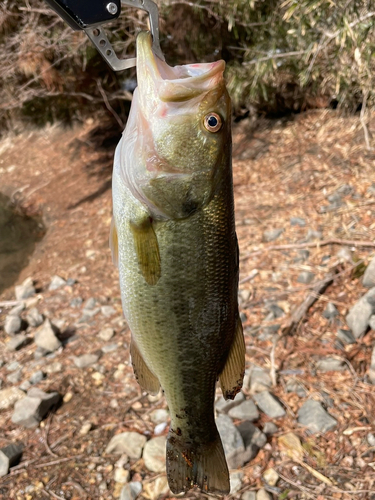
173	239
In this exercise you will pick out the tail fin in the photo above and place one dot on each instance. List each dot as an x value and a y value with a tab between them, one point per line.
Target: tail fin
204	466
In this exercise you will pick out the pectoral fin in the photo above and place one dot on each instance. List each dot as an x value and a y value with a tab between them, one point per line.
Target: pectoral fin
147	248
231	377
146	379
113	242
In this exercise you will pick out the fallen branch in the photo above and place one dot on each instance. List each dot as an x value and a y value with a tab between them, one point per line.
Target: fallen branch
56	462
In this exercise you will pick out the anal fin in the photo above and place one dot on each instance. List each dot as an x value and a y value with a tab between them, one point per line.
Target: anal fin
113	242
231	378
147	248
146	379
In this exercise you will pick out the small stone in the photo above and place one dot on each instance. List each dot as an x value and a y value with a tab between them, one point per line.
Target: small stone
106	334
12	324
108	311
85	360
71	281
55	367
249	495
30	410
34	318
271	476
45	337
76	302
253	440
371	439
305	277
131	443
293	386
159	416
297	221
272	234
56	282
160	428
10	396
157	488
131	490
13	366
15	343
360	313
25	290
109	348
245	411
113	403
312	234
9	455
330	311
17	310
223	406
270	428
25	386
275	311
313	415
259	380
263	495
68	396
85	429
235	479
269	404
40	353
15	377
154	454
233	444
330	365
302	256
345	336
36	377
90	303
369	275
344	254
121	475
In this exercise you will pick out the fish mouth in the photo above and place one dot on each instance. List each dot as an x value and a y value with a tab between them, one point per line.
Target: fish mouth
178	83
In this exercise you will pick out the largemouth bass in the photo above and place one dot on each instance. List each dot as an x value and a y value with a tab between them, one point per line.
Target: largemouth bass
173	237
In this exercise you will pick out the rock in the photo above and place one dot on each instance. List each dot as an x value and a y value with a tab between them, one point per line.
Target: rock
109	348
56	282
259	380
368	280
297	221
55	367
106	334
85	360
15	343
371	439
157	488
305	277
345	336
10	396
30	410
13	366
17	310
131	443
271	476
121	475
233	444
25	386
131	490
12	324
34	318
36	377
249	495
90	304
331	365
330	311
293	386
15	377
154	454
108	311
25	290
245	411
40	352
160	428
224	406
9	455
85	429
313	415
270	428
253	439
312	234
272	234
269	404
359	315
71	281
159	416
235	479
275	311
76	302
302	256
45	337
263	495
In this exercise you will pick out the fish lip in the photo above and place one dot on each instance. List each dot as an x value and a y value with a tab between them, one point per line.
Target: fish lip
177	83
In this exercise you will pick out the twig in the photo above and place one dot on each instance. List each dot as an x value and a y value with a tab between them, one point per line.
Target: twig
46	437
108	106
52	494
362	118
272	360
56	462
77	486
275	56
10	303
307	491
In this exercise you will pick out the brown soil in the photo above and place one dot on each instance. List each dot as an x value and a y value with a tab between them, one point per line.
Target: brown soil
282	169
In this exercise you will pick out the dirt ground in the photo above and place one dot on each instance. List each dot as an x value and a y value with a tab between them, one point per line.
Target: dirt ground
282	169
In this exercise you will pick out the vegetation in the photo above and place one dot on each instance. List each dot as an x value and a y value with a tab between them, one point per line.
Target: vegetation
282	55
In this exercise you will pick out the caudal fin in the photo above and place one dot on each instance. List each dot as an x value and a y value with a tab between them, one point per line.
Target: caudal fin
204	466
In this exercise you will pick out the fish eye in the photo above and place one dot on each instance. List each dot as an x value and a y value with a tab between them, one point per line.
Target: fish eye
213	122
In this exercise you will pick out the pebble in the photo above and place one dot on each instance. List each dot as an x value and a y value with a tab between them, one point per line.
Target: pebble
330	311
154	454
305	277
108	311
76	302
371	439
358	317
263	495
231	438
271	476
12	324
156	489
345	336
109	348
270	428
55	367
368	280
25	386
30	410
36	377
121	475
224	406
45	337
269	404
106	334
25	290
13	366
85	429
275	311
272	234
303	255
249	495
331	365
34	318
312	234
17	310
15	377
235	479
15	343
294	386
314	417
56	282
85	360
131	490
297	221
89	304
259	380
159	416
131	443
9	396
245	411
253	439
9	455
40	352
71	281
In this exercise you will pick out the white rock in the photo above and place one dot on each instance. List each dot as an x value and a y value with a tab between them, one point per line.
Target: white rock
10	396
154	454
25	290
131	443
45	337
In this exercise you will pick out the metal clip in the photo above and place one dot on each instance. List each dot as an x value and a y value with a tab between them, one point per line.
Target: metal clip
99	38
